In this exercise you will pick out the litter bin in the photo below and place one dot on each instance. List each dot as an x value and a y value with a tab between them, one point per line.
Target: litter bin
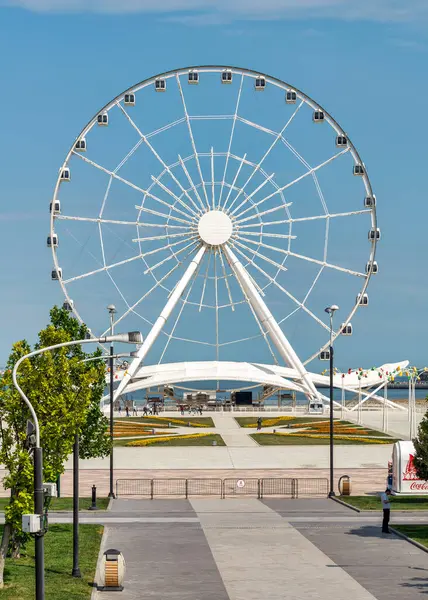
345	485
112	571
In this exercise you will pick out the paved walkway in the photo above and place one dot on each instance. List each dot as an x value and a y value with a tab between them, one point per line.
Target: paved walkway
245	549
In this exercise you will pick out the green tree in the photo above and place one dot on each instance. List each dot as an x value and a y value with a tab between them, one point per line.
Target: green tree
63	390
421	447
94	443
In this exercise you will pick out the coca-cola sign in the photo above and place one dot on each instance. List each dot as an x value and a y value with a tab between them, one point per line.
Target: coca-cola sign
410	470
419	485
405	479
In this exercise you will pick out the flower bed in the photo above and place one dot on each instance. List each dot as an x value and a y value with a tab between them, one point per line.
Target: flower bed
151	441
269	422
350	438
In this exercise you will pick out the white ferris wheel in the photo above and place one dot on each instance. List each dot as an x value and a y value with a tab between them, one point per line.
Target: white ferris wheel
221	210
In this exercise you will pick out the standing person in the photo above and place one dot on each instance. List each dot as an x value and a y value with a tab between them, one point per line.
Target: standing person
386	506
134	410
127	410
259	423
120	409
145	411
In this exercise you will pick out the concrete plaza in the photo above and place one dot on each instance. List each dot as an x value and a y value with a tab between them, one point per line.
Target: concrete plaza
246	549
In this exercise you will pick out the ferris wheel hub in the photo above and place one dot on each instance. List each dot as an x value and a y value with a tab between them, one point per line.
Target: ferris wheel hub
215	227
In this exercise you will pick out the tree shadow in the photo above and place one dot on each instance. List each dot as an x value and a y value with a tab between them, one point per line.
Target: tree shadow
417	583
373	531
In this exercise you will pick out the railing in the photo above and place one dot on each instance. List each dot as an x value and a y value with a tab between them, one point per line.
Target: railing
223	488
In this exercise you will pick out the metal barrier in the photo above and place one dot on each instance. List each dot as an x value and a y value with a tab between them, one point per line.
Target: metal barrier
204	487
134	487
241	487
286	488
311	487
226	488
170	487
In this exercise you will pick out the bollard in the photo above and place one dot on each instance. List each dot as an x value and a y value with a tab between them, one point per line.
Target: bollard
94	499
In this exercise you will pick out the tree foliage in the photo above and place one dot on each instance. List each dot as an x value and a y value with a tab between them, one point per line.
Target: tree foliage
65	393
421	447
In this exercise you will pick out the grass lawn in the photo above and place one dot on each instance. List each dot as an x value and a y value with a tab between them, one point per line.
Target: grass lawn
397	502
60	585
272	439
183	421
419	533
207	440
66	503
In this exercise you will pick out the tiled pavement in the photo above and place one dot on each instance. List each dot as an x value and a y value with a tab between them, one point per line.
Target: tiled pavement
246	549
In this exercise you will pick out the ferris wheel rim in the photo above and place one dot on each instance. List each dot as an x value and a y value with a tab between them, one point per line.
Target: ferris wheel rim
243	72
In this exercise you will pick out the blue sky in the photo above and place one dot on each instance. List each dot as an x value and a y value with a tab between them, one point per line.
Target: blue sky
61	62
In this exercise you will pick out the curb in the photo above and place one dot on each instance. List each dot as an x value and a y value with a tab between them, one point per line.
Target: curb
94	594
410	540
344	504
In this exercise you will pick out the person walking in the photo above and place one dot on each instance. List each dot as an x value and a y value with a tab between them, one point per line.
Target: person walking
127	410
386	506
259	423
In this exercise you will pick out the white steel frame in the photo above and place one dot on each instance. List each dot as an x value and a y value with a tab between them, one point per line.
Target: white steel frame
246	209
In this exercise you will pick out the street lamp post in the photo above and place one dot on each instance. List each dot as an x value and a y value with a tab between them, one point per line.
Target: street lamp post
330	310
76	570
112	311
133	337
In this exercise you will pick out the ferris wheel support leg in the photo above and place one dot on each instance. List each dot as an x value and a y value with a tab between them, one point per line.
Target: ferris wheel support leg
160	321
267	319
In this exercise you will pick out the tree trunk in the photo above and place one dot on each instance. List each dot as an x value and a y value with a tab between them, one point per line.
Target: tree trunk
3	549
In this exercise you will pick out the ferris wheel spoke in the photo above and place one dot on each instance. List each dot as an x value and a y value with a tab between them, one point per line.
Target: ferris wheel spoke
192	139
159	158
158	283
166	216
171	256
132	185
302	219
265	212
191	182
268	151
176	198
162	248
283	236
286	292
205	282
107	192
180	312
233	186
115	222
306	258
161	237
253	193
165	127
260	255
105	268
212	178
216	307
231	140
291	183
226	279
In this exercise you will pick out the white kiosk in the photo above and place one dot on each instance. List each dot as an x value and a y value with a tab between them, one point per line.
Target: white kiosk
404	477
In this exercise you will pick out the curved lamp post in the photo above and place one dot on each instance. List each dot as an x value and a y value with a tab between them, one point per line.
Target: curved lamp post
330	310
133	337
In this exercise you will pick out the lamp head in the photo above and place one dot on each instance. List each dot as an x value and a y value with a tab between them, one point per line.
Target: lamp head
331	309
112	309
